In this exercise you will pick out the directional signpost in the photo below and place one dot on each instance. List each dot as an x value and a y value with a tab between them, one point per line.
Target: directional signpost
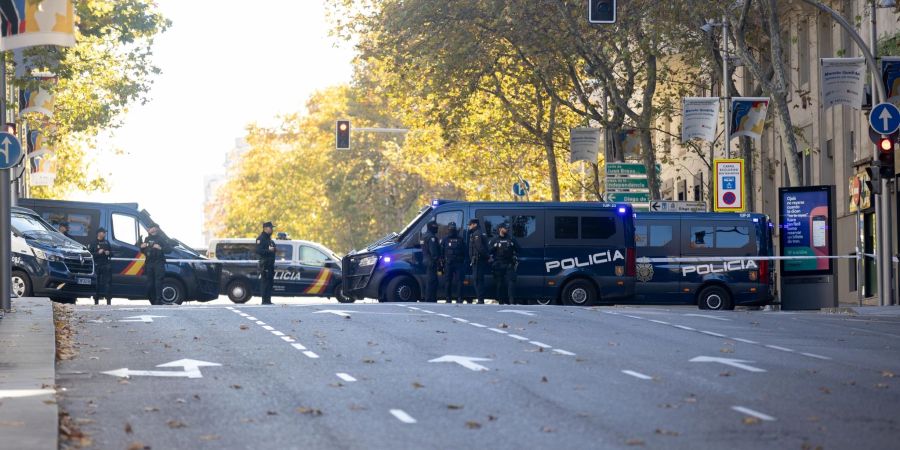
627	183
884	119
10	151
670	206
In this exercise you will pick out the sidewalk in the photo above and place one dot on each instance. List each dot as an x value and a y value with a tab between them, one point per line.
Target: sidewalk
28	412
889	311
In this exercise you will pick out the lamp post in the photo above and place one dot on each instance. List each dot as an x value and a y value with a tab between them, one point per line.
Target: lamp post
726	86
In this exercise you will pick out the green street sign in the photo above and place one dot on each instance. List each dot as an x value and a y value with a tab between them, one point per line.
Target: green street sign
626	169
627	183
628	197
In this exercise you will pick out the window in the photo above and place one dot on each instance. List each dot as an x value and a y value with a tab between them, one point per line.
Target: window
660	235
125	229
443	219
732	237
234	251
641	238
23	224
701	237
598	227
565	227
803	62
284	252
520	227
311	256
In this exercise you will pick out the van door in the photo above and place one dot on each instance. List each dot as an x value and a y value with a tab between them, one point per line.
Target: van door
128	278
318	275
526	227
658	282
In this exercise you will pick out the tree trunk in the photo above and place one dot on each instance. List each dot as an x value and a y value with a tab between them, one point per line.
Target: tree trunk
595	187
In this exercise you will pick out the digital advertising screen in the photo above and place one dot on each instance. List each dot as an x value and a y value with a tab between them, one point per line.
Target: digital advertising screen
806	223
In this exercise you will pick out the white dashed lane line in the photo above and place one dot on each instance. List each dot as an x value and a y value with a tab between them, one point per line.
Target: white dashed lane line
563	352
783	349
460	320
753	413
813	355
298	346
637	375
268	328
285	338
746	341
713	334
260	322
477	325
277	333
310	354
540	344
517	337
497	331
402	416
346	377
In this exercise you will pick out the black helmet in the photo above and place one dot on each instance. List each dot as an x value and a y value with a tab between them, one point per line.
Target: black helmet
451	226
503	225
432	226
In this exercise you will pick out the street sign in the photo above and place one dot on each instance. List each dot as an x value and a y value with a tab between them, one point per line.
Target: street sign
729	185
619	168
602	11
884	118
670	206
521	188
10	151
628	197
627	183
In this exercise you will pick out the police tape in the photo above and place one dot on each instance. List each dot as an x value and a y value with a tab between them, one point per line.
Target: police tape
696	259
207	261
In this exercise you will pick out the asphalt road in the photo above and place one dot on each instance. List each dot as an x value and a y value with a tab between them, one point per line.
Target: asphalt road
379	376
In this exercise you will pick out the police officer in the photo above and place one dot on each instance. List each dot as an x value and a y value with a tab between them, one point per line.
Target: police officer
101	251
282	236
64	228
504	256
453	250
478	257
154	248
265	248
431	257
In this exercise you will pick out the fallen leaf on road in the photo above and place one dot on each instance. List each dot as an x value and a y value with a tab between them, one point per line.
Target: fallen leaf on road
726	350
492	418
210	437
311	411
887	374
369	361
245	327
503	325
49	402
881	386
175	424
355	407
473	425
272	413
532	322
180	400
634	442
417	385
196	397
128	429
667	432
825	390
548	429
612	344
519	361
452	406
12	423
235	386
85	421
440	332
544	379
150	409
726	374
338	384
138	446
750	421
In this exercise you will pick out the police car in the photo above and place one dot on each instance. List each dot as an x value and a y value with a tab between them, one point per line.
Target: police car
302	269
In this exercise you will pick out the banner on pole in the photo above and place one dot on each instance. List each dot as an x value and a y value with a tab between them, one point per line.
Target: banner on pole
631	144
700	115
36	101
890	74
43	168
748	116
29	23
842	81
586	144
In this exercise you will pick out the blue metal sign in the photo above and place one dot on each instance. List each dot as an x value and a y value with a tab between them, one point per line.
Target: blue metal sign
884	118
10	151
521	188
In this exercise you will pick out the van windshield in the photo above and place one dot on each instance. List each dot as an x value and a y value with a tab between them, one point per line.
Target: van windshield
25	225
422	212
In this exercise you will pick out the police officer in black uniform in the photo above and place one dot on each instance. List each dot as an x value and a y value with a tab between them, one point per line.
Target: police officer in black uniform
154	248
504	257
265	248
478	257
431	257
453	250
101	251
64	228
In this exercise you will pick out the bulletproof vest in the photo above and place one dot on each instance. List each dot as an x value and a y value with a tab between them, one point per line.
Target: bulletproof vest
154	254
430	248
453	249
503	250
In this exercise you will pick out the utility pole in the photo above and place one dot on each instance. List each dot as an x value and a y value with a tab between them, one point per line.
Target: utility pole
726	87
5	203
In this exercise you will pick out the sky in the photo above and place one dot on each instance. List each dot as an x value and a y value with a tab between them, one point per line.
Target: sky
221	72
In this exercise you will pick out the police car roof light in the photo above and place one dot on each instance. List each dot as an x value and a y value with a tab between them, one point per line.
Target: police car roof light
623	210
386	259
756	220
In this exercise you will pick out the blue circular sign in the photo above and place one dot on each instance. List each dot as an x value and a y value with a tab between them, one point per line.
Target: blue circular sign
521	189
10	151
884	118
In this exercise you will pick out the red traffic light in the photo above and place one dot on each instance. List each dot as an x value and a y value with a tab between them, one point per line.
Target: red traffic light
886	144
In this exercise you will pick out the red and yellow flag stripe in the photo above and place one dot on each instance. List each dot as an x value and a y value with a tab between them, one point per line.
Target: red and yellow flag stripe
320	284
135	267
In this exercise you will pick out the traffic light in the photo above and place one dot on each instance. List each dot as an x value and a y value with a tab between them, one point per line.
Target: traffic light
886	156
602	11
874	177
342	134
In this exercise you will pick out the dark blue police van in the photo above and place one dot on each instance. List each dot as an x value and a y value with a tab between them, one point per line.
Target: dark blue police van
720	271
571	253
127	226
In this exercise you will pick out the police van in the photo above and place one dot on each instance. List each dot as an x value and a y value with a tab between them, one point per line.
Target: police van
574	253
723	269
127	227
47	263
302	269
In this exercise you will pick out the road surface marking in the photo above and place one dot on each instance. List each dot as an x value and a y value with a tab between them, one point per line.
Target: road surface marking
469	362
337	312
477	325
539	344
445	315
310	354
563	352
516	311
746	341
410	307
402	416
298	346
684	327
708	317
713	334
633	317
268	328
516	336
637	374
427	311
753	413
737	363
19	393
784	349
346	377
260	322
143	318
231	308
242	314
660	322
287	339
460	320
813	355
277	333
251	318
191	370
497	331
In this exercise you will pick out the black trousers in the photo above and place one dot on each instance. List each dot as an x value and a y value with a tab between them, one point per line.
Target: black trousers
104	280
505	282
454	274
478	271
155	271
266	280
431	282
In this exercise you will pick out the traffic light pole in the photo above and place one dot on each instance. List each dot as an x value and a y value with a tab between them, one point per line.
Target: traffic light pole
5	203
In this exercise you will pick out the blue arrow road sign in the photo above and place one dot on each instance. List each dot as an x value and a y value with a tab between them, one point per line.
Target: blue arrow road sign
884	118
10	151
521	189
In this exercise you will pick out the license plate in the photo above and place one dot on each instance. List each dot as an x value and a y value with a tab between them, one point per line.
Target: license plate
84	281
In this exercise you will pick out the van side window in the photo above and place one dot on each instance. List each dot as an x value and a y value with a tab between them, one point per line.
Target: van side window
442	220
641	236
312	257
598	227
660	235
702	237
565	227
732	237
125	229
284	252
520	227
232	251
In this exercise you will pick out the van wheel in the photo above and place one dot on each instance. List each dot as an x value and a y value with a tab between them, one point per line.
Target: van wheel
239	291
579	293
339	295
402	289
173	292
715	298
545	301
21	284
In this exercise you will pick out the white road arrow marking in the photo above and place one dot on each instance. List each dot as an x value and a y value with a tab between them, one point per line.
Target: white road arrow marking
708	317
885	117
466	361
19	393
737	363
516	311
144	318
191	370
336	312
